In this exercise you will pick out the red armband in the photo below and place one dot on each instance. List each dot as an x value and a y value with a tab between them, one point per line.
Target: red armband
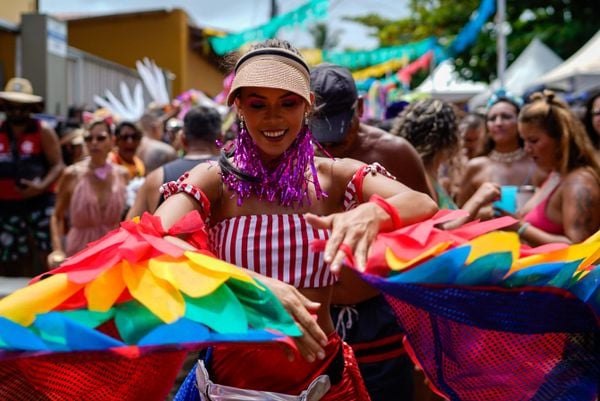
389	209
173	187
354	190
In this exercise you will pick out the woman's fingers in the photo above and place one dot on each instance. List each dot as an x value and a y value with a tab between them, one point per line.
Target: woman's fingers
309	347
308	321
343	241
323	222
361	252
351	231
313	339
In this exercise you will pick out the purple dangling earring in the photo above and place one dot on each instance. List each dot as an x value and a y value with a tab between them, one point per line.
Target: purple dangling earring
286	183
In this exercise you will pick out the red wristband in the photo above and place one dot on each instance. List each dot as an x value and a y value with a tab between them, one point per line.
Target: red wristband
389	209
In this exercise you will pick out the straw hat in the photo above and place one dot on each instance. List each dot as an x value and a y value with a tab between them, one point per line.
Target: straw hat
19	90
271	68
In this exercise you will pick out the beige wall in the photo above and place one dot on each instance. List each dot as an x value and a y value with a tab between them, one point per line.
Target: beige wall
160	35
11	10
202	75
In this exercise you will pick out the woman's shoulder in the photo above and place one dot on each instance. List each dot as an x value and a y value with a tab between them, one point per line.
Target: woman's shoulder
121	172
339	169
476	169
72	175
207	177
76	170
582	177
477	163
207	170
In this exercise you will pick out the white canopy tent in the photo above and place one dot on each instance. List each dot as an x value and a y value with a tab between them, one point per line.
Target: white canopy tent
579	72
444	83
535	60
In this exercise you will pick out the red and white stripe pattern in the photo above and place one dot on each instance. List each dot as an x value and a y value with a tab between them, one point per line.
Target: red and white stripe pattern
353	195
276	246
350	197
173	187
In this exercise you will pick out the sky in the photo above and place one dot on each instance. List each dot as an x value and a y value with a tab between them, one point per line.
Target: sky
237	15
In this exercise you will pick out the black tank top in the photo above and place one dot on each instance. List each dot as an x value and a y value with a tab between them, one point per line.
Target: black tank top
21	157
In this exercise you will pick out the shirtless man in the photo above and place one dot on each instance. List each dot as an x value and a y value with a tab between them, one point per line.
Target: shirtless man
152	150
336	125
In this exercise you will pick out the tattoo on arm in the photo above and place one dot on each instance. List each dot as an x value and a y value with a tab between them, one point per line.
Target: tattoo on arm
584	203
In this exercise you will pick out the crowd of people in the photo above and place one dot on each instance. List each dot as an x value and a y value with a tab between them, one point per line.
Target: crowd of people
304	165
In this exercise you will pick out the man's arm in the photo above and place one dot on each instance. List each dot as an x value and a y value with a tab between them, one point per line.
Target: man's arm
53	155
51	149
148	195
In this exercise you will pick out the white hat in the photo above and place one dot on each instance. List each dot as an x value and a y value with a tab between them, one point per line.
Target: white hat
19	90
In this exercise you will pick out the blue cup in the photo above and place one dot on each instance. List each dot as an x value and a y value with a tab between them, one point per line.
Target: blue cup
508	199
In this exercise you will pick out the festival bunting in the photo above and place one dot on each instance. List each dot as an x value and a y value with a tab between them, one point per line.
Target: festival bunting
380	69
312	56
422	63
470	31
313	10
362	59
465	38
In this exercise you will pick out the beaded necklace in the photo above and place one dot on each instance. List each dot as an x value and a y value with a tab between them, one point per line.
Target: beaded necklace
507	157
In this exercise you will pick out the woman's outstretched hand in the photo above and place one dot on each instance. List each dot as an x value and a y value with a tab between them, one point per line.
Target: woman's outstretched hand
355	230
313	340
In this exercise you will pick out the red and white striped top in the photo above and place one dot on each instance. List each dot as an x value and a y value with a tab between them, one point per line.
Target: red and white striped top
276	246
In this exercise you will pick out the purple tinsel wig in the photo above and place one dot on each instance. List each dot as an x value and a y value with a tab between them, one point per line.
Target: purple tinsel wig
285	182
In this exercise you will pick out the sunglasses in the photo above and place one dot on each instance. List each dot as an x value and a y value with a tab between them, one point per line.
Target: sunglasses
132	137
98	138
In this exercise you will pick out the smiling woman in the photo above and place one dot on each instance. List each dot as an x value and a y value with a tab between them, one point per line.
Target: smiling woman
565	209
90	196
265	202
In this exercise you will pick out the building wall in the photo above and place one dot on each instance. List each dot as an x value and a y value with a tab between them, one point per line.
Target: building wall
160	35
11	10
202	75
8	43
90	75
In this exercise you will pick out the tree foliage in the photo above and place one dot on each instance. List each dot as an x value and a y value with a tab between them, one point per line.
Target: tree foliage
563	25
323	37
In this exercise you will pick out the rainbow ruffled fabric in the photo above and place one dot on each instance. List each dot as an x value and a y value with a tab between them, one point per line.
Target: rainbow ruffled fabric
485	317
488	318
132	294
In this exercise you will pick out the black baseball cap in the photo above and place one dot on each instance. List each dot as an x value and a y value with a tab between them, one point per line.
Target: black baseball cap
335	102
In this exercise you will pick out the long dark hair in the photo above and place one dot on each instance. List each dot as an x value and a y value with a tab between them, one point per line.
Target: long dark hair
554	117
587	120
